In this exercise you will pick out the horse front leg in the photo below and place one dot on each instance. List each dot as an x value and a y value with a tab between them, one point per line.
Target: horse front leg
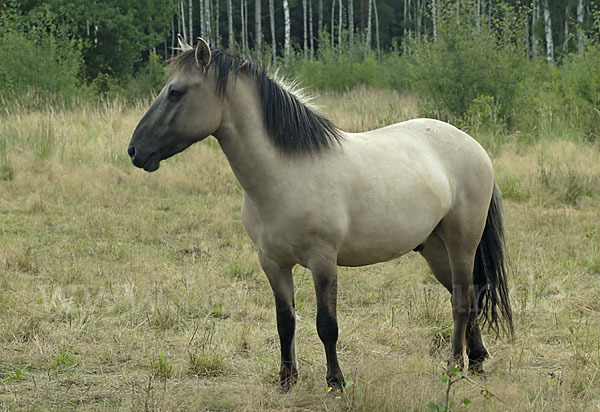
325	281
280	278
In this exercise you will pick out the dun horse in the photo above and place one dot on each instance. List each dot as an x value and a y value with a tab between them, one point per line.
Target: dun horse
322	198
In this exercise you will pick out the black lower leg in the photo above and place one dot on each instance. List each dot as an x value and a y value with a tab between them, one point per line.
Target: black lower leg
286	326
476	350
328	333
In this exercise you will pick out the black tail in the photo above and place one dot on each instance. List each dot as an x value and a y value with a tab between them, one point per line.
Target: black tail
490	271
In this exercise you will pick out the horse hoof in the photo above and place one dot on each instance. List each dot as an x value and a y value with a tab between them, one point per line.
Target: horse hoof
287	379
336	384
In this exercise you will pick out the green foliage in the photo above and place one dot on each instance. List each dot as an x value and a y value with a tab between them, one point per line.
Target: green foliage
464	64
160	365
37	59
338	70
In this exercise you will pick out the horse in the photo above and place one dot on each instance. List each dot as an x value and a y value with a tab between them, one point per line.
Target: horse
319	197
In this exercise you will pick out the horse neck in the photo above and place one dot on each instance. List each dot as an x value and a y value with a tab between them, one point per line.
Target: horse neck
244	140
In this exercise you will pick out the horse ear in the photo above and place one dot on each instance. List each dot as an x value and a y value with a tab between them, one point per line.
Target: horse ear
183	45
202	53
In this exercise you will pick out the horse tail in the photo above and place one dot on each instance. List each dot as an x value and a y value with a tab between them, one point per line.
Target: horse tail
490	272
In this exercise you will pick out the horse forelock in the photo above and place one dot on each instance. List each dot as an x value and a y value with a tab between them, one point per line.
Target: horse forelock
292	122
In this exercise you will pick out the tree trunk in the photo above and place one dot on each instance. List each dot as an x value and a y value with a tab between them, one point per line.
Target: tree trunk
244	21
202	28
273	40
377	28
332	23
566	41
208	21
341	23
548	31
534	40
434	17
217	33
191	23
351	22
320	19
183	21
173	37
231	39
580	14
477	15
257	27
368	40
286	22
305	28
310	30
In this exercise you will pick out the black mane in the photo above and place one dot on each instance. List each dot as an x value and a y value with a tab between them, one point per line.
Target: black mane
291	124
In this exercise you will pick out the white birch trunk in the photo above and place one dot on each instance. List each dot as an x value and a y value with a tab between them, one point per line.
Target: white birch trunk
368	40
566	42
580	15
286	22
333	23
257	26
377	28
183	21
320	18
246	26
231	38
434	17
351	22
310	30
272	21
548	31
217	33
202	28
534	40
208	21
478	15
341	23
305	28
190	23
173	36
243	18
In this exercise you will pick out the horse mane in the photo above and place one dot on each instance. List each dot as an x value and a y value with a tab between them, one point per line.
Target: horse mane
291	122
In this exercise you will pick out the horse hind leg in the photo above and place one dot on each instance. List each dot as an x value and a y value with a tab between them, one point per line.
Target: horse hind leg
436	255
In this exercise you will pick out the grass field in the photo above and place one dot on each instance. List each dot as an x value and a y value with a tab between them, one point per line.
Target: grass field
123	290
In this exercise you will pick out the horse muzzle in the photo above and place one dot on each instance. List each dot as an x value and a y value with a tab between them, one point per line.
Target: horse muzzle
149	163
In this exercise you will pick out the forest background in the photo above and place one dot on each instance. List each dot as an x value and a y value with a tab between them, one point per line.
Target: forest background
529	66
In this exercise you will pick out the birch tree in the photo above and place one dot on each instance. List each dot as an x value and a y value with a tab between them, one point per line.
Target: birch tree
310	30
202	28
580	16
191	22
272	21
341	23
286	22
231	39
320	18
534	40
257	26
351	22
548	32
368	40
305	28
182	11
377	28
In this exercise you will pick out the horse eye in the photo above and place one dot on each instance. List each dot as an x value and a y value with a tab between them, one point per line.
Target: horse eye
175	94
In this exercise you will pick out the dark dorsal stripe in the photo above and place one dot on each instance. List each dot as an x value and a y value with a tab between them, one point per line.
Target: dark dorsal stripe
292	126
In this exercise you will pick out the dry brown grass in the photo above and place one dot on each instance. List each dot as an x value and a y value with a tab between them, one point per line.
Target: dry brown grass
122	290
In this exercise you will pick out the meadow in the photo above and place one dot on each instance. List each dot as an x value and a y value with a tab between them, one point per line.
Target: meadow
123	290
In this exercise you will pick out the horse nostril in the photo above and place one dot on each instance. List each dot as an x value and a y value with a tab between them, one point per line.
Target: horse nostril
131	150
